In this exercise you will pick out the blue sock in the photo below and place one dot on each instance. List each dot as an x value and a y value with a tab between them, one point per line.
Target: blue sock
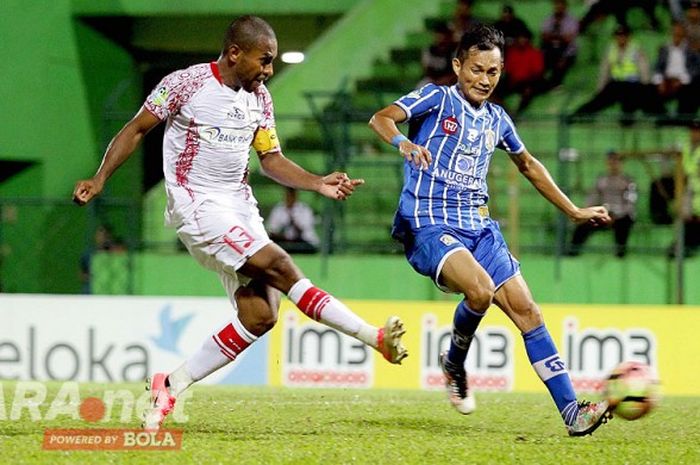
464	326
551	369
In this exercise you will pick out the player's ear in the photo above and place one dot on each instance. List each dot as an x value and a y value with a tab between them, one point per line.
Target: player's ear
456	65
234	52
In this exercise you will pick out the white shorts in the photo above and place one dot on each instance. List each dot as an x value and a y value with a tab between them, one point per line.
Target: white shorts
222	237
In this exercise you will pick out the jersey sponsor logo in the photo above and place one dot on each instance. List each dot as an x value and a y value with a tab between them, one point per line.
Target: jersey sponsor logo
447	239
464	164
226	137
490	141
161	96
472	134
236	113
463	149
459	181
450	125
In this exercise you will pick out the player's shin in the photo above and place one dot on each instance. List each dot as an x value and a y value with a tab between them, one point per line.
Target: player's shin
218	350
552	371
464	326
324	308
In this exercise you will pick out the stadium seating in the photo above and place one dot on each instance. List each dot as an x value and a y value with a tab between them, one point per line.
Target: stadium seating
363	223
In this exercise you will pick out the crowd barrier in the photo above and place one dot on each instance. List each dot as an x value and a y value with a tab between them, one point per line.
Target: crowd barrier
124	339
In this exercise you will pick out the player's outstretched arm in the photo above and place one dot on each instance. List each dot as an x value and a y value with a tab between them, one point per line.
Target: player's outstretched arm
336	186
539	177
384	122
119	150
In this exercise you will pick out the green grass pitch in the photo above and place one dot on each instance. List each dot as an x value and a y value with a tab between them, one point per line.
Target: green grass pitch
270	426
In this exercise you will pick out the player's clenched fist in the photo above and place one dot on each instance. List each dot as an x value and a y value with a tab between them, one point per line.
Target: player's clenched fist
85	190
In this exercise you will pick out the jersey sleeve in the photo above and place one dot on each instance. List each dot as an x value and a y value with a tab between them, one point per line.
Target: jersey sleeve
421	101
171	93
509	140
265	140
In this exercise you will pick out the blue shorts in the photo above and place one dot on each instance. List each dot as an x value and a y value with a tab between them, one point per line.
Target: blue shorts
432	245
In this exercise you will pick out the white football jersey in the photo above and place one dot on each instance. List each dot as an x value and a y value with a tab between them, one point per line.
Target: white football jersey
209	131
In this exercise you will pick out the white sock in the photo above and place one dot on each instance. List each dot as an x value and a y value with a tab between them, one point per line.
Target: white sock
179	380
324	308
218	350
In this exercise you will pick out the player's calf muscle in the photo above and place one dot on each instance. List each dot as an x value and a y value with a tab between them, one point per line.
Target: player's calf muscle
256	313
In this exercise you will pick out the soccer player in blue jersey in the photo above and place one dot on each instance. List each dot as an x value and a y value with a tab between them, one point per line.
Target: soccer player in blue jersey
444	224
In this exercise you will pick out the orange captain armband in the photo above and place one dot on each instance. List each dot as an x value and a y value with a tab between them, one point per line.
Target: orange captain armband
266	140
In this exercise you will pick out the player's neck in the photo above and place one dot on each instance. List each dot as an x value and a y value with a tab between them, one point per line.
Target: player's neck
227	75
474	105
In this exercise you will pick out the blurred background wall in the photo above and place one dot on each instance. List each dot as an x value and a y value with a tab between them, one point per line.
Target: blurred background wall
75	71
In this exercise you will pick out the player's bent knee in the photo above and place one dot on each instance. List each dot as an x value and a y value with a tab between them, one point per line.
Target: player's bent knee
259	322
480	298
267	322
282	270
274	267
255	309
530	314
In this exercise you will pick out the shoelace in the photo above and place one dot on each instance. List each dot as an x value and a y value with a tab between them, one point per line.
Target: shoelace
458	382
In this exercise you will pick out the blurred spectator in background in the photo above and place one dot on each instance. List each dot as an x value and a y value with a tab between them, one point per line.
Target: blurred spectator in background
676	9
692	26
291	224
558	33
618	8
104	241
523	71
624	78
676	73
510	25
661	194
690	154
618	192
463	19
437	58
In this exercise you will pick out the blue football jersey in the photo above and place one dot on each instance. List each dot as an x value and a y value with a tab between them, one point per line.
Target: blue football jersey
461	140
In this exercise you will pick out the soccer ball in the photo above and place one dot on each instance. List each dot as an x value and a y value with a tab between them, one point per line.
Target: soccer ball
632	390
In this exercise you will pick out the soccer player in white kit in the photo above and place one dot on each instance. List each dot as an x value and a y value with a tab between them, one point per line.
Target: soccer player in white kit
214	112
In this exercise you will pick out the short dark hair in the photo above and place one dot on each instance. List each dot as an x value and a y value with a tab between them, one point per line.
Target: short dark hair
246	32
481	36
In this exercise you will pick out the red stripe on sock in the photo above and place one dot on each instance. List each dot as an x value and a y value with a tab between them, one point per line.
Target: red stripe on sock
312	302
231	340
320	306
223	349
225	354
